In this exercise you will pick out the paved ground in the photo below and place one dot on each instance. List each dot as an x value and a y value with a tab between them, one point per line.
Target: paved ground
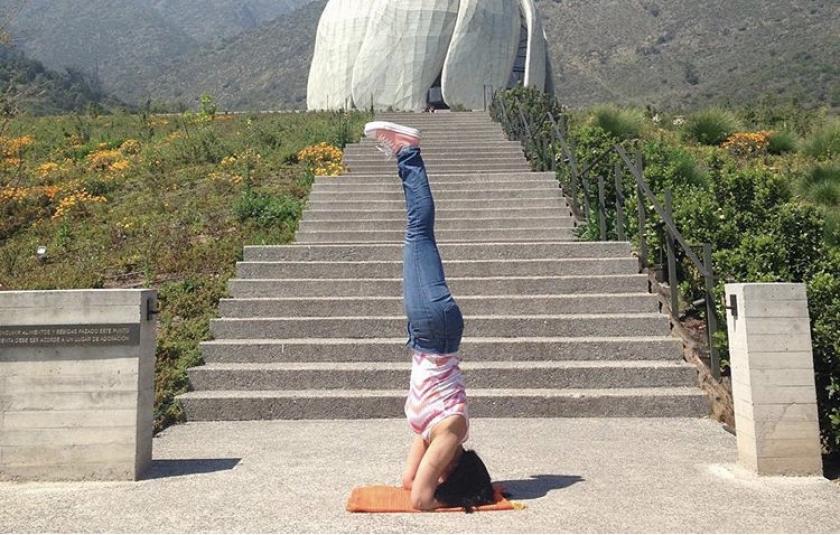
575	475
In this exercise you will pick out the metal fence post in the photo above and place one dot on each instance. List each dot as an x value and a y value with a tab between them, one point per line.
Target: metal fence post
587	211
529	143
619	203
643	250
670	250
573	172
602	209
711	314
638	173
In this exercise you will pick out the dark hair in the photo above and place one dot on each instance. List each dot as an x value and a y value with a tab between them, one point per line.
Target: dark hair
468	485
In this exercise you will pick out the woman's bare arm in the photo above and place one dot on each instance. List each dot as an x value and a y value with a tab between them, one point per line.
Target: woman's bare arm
446	442
415	455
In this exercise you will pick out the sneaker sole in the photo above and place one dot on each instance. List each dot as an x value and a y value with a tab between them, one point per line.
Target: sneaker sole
384	125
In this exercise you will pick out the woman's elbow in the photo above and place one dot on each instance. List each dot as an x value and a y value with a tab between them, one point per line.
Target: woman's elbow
423	501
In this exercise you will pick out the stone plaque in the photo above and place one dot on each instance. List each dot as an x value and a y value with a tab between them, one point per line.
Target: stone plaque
70	335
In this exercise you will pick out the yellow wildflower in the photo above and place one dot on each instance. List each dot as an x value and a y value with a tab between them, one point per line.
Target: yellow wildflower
46	169
102	160
323	159
119	166
12	147
130	146
76	202
747	143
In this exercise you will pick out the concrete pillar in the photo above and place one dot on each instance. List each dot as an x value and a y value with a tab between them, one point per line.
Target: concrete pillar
773	379
76	384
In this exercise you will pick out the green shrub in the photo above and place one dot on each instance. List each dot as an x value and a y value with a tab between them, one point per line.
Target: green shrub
781	142
534	105
824	143
821	185
825	193
711	126
618	122
743	207
824	305
267	210
832	228
771	112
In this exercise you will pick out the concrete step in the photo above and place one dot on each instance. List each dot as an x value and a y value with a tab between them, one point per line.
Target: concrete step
483	374
443	236
410	118
435	163
440	137
569	325
335	269
472	305
384	169
449	251
464	131
308	225
437	178
437	151
443	204
517	164
490	213
460	286
476	194
472	349
440	188
465	145
518	402
431	160
551	201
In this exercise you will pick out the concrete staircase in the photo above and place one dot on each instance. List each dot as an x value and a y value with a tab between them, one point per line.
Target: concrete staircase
554	327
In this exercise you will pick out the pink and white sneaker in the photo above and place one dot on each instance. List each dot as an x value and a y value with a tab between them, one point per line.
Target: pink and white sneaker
392	137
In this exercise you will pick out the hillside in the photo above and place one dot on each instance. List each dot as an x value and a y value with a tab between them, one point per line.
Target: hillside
209	21
126	44
255	53
263	69
674	54
26	85
685	53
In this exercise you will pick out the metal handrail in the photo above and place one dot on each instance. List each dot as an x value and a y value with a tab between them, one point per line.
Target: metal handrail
579	181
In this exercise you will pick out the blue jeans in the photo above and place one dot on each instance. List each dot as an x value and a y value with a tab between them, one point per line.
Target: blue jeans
435	324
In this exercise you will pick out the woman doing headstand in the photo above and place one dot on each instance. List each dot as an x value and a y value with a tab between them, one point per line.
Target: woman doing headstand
439	472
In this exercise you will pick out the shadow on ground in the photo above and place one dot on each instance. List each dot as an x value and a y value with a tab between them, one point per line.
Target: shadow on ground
184	467
537	486
831	468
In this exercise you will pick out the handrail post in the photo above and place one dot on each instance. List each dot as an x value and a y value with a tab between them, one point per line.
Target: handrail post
602	209
670	250
505	117
640	205
573	171
587	211
711	314
619	203
529	145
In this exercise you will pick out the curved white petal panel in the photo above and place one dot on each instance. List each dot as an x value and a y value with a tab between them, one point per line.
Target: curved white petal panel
482	51
536	60
388	53
549	72
341	32
403	52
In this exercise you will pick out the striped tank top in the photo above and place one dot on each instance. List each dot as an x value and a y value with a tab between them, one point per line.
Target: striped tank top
437	391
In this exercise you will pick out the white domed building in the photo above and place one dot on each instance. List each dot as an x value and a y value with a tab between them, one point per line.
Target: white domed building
407	54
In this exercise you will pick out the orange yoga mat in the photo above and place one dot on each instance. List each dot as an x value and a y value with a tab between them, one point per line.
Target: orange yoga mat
384	499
